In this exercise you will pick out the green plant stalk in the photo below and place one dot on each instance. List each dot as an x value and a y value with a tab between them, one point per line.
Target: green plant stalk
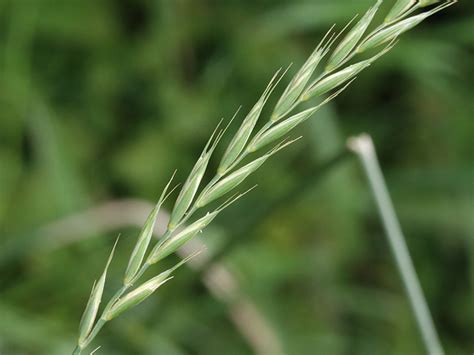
364	148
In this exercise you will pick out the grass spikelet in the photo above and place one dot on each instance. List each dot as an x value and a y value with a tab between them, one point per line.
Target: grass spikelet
193	181
174	242
236	178
388	34
298	83
333	81
90	313
336	77
400	8
170	245
135	297
287	125
144	238
241	137
343	50
144	291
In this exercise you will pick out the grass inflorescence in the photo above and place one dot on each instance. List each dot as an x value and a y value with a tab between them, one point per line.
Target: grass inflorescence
341	68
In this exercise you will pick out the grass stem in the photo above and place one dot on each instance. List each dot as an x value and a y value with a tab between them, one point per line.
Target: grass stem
364	148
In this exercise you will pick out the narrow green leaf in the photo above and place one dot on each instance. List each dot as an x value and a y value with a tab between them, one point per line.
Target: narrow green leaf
144	238
350	41
90	313
399	9
241	137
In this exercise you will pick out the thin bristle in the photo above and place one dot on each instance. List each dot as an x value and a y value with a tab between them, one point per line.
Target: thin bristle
233	199
206	147
321	43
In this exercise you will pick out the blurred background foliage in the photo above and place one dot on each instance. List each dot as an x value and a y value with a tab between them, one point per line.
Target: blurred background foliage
102	100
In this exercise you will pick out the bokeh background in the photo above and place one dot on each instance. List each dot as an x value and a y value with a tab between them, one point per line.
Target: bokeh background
101	100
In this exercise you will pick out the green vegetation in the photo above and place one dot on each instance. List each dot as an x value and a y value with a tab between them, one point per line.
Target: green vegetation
129	97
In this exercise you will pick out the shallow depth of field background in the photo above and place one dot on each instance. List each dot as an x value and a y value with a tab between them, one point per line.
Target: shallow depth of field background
101	100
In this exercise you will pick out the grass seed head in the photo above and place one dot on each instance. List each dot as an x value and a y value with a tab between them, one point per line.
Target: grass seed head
228	178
